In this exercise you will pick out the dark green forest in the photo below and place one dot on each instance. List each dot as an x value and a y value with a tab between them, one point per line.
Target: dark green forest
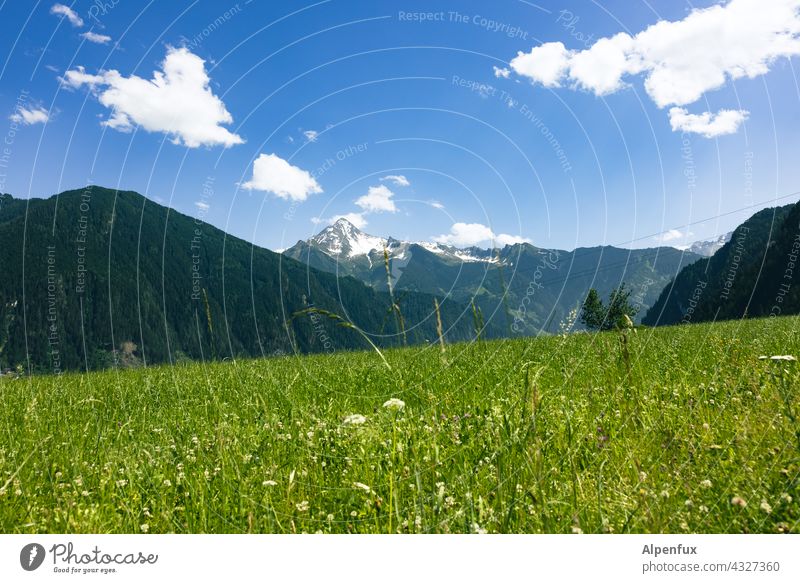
96	277
753	275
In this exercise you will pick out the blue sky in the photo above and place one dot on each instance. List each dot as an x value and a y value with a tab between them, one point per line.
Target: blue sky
309	106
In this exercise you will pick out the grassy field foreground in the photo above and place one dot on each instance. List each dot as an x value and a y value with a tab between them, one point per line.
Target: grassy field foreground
678	430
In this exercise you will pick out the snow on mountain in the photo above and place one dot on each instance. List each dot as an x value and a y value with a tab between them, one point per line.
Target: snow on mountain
343	239
708	247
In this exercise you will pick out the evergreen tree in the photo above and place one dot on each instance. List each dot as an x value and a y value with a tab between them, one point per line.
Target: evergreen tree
596	316
593	313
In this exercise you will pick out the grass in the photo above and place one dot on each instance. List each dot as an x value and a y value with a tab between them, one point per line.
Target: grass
557	435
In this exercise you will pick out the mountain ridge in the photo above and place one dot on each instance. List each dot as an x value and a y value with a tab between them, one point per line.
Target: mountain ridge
520	283
100	277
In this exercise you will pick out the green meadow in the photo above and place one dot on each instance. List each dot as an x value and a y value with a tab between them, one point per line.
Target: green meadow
681	429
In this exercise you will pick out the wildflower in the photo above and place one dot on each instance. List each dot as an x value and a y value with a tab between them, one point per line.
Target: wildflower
355	419
738	501
689	504
664	494
269	483
706	483
122	483
144	527
394	404
354	514
765	506
167	483
477	529
576	530
330	517
786	498
302	506
642	476
361	486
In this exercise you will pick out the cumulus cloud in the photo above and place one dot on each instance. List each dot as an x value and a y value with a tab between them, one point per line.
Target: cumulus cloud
396	179
311	135
68	13
275	175
503	239
680	60
667	236
469	234
546	64
501	72
377	200
30	116
93	37
709	125
177	101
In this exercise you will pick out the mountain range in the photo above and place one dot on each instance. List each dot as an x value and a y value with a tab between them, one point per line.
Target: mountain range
98	277
528	290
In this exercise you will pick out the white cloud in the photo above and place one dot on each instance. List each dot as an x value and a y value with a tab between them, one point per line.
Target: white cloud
176	101
709	125
68	13
671	235
436	204
501	72
275	175
311	135
377	200
202	206
681	60
546	64
503	239
30	116
396	179
469	234
356	219
93	37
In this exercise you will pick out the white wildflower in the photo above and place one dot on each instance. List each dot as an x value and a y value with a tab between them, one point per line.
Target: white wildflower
355	419
394	404
302	506
477	529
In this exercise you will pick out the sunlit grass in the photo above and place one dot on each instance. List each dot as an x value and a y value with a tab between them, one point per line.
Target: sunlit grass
690	432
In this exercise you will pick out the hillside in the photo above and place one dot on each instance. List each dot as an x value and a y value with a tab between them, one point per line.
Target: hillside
753	274
98	276
542	285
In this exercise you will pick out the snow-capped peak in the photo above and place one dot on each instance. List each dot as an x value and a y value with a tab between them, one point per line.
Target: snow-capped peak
708	247
344	238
